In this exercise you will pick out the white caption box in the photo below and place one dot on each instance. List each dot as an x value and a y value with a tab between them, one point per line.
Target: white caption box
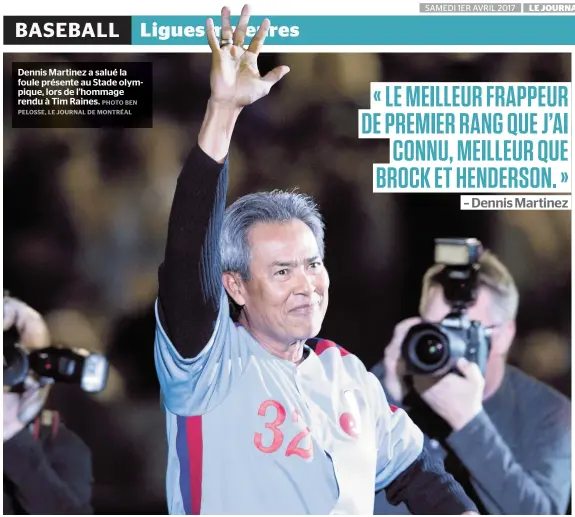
527	202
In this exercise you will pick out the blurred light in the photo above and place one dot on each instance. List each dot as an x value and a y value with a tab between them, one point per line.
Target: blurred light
544	354
73	328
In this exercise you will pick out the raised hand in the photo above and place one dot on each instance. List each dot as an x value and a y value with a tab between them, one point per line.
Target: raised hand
235	79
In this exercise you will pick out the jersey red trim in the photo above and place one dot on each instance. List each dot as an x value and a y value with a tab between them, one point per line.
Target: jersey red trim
324	344
195	454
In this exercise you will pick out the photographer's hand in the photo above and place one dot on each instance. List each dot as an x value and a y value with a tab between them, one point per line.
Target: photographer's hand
31	326
33	334
457	399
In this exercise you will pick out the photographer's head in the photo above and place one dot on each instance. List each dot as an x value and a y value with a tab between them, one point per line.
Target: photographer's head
495	308
272	247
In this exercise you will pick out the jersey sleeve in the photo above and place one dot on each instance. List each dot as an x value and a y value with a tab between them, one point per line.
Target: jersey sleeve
400	441
197	349
192	386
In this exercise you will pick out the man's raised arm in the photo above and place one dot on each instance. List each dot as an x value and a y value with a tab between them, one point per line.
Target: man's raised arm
190	287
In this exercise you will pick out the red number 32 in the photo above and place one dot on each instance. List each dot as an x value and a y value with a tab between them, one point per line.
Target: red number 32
278	436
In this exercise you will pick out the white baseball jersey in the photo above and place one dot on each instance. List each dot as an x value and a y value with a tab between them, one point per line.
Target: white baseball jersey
251	433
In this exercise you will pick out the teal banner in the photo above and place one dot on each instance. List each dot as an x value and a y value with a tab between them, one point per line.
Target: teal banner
369	30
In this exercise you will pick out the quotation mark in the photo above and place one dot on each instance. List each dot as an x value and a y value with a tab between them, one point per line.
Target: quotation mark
564	177
377	95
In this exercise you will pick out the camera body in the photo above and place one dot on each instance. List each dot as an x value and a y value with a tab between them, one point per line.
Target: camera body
57	363
434	348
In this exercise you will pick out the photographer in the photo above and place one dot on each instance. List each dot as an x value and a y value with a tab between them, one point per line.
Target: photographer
505	436
47	468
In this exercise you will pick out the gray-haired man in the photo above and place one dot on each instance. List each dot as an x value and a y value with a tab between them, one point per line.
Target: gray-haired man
262	417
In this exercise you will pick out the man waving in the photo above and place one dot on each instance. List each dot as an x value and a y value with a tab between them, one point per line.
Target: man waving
262	416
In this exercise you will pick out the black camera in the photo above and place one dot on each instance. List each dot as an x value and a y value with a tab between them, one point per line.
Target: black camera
434	348
58	363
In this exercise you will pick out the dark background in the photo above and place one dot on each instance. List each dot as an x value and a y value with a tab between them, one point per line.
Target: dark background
85	217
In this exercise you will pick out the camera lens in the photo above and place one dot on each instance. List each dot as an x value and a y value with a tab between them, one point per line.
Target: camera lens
426	348
429	350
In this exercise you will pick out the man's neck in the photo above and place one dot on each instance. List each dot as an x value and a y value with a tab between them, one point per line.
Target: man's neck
292	352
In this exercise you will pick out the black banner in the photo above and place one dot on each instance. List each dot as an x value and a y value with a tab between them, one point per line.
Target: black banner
76	95
67	30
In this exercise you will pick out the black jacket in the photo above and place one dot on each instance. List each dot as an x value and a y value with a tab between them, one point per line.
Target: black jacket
47	470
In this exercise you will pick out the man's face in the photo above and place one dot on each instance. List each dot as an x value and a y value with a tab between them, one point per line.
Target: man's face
286	298
437	307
